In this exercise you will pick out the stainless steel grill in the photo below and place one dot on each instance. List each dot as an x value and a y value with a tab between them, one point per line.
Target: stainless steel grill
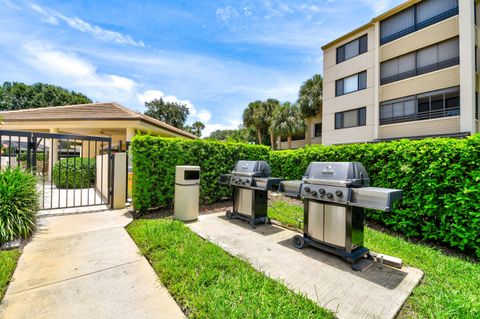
335	195
250	182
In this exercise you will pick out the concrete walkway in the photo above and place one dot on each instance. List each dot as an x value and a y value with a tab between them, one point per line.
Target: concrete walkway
86	266
326	279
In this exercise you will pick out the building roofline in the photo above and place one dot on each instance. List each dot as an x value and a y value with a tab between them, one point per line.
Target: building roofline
380	17
134	116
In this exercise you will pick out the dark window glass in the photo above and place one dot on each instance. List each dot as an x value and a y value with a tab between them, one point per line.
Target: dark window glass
362	80
317	130
352	118
362	116
432	58
436	102
340	54
352	49
416	17
338	120
339	87
423	104
363	44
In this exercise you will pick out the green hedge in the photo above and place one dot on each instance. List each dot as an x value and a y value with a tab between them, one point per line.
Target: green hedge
80	172
18	204
440	179
155	158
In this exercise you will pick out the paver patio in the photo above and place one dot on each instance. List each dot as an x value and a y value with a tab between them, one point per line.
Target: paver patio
326	279
86	266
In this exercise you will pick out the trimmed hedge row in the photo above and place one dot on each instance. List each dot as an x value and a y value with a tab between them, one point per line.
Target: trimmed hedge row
74	172
440	179
155	158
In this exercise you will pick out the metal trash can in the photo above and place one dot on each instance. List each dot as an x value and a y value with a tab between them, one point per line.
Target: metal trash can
187	192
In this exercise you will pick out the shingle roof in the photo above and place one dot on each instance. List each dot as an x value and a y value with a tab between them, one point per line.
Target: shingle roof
86	112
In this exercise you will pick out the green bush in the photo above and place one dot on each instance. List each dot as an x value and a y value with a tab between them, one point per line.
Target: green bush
18	204
440	179
80	172
155	158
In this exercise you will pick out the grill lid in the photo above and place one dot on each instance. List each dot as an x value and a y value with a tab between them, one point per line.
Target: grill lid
252	168
346	174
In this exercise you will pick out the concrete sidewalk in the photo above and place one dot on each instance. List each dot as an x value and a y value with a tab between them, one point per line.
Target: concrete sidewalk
326	279
86	266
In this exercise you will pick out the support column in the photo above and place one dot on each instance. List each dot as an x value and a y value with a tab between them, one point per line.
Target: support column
130	133
308	131
467	66
53	155
376	79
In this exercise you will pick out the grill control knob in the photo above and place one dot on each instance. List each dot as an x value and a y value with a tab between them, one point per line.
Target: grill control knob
248	181
339	193
321	191
329	195
314	193
307	189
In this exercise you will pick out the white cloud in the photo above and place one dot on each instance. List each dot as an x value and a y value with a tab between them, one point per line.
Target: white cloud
204	116
378	6
73	71
209	128
53	17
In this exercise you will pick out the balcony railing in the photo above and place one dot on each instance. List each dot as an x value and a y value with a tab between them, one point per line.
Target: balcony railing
422	116
426	69
442	16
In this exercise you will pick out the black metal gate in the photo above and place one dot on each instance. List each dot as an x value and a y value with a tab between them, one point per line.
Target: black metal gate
72	170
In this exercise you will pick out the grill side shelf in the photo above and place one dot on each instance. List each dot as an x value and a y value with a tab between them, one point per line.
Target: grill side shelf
375	198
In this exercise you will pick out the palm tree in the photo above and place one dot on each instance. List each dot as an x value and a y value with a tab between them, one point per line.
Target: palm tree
269	108
198	127
288	121
253	116
310	97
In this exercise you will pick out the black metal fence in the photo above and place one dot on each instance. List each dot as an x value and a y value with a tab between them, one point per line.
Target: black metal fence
72	170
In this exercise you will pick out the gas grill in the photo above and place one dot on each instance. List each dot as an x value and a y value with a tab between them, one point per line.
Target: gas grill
250	182
335	195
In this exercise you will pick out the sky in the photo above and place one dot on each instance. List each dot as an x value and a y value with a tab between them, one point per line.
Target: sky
214	56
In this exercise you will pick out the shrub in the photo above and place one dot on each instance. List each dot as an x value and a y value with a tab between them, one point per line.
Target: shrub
18	204
80	172
440	179
155	158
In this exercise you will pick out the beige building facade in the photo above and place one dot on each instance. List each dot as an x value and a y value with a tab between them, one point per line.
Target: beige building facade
408	73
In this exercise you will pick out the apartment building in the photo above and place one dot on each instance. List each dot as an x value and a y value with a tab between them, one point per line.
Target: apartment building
410	72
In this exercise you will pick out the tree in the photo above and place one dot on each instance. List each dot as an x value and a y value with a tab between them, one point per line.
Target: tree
19	96
310	97
254	117
245	135
269	108
287	121
171	113
197	128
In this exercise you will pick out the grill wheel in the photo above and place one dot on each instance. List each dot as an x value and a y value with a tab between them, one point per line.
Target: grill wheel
298	242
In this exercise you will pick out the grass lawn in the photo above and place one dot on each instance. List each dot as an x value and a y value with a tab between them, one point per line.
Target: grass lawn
450	288
8	262
207	282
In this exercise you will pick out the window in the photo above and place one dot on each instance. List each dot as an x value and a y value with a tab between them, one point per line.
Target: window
477	106
357	117
352	49
420	107
439	56
351	84
317	130
416	17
